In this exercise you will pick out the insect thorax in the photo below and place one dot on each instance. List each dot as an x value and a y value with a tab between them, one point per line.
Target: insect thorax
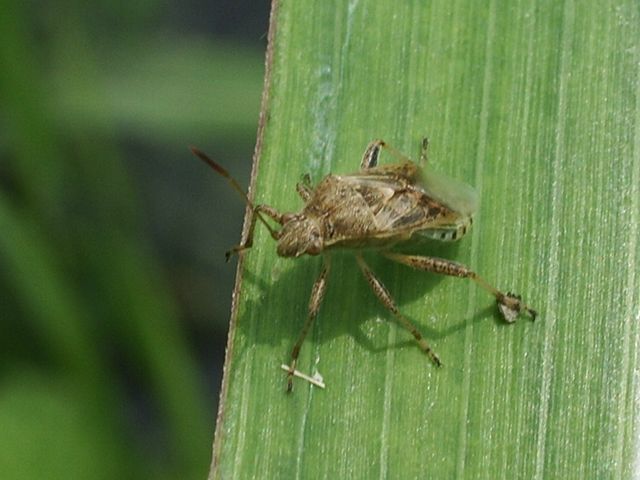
300	235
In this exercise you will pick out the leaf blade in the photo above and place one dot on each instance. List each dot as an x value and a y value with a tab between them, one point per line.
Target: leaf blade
513	115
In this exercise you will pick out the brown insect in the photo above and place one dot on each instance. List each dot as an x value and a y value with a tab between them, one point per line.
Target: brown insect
376	208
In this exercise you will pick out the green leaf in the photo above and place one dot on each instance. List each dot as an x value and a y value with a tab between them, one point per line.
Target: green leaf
536	104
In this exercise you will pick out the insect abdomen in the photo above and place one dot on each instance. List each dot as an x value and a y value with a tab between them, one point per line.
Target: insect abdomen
449	233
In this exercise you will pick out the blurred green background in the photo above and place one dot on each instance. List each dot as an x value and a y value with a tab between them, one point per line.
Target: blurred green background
115	296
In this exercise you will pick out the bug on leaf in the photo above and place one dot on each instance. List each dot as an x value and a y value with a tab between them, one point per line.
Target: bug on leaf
376	208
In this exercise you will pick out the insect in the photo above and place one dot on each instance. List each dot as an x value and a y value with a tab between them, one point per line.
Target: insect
375	208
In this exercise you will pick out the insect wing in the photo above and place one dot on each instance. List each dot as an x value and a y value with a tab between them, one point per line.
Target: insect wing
460	198
455	194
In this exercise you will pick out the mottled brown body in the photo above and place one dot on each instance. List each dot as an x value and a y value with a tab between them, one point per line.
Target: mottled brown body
358	211
375	208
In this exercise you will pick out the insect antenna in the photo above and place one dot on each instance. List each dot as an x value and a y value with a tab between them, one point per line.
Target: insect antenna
234	184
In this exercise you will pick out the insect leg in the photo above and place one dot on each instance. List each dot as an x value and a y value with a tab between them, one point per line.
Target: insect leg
370	156
254	215
424	147
256	210
304	188
396	153
509	304
405	168
383	295
317	294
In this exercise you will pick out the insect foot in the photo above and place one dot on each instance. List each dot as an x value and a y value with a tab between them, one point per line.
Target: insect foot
511	305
